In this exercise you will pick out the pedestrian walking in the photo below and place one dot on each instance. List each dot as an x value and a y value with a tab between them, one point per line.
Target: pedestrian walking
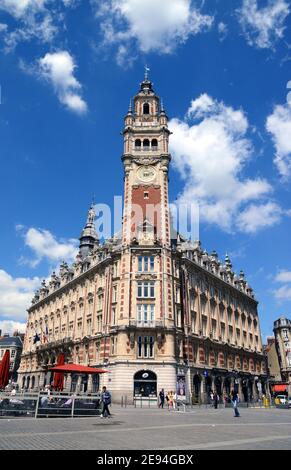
215	400
175	398
170	395
235	400
106	401
162	398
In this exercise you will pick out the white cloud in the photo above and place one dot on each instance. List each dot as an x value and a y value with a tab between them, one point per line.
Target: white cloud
151	25
263	26
222	30
45	246
256	217
210	149
58	68
279	126
35	19
283	276
10	326
283	293
18	8
16	295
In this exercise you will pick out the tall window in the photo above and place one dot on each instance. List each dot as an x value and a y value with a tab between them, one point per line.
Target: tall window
213	327
138	144
146	264
193	322
113	345
145	346
89	326
154	144
146	108
114	294
113	316
145	314
146	144
204	325
222	331
99	323
146	289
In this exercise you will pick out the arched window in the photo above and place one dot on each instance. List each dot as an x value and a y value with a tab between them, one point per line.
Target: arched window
146	108
154	144
32	382
137	144
145	383
146	144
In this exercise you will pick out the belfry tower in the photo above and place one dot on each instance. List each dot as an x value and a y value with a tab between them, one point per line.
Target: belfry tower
146	161
146	310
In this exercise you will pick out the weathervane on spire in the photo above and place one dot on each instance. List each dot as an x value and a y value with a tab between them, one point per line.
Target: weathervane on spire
146	75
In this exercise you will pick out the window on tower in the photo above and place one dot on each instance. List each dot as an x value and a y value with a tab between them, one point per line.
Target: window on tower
146	144
146	108
137	144
154	144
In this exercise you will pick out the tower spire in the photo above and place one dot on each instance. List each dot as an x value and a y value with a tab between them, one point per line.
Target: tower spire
146	73
88	238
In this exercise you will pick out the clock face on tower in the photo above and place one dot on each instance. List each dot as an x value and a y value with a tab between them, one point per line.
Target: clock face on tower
146	174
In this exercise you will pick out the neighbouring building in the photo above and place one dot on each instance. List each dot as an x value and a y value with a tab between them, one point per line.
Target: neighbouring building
156	310
278	353
14	345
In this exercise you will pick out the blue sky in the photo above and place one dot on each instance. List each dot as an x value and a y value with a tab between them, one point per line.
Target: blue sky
67	71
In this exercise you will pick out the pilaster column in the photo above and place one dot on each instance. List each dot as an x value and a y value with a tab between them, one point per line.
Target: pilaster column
41	380
78	386
90	384
68	383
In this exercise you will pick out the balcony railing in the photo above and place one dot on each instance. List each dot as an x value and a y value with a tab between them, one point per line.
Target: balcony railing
146	149
146	324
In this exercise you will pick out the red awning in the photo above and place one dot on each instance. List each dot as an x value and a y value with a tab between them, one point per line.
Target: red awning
59	378
4	370
77	369
280	388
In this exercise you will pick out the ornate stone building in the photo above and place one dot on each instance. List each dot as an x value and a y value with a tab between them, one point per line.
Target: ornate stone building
279	356
157	312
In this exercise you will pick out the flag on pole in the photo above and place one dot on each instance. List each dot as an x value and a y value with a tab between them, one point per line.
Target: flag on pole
45	335
36	338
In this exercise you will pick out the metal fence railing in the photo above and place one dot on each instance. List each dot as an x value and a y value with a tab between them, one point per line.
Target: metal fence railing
54	405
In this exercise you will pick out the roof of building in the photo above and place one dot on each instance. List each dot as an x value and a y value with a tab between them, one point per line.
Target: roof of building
11	341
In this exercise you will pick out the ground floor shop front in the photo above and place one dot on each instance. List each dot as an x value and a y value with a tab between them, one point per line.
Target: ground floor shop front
130	381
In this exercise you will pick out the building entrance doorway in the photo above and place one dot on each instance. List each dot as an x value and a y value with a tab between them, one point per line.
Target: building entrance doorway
197	388
145	384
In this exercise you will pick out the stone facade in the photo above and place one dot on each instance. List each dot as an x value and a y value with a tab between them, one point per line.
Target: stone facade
282	350
158	312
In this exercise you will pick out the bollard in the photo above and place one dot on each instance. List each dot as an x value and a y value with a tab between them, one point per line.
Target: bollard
37	404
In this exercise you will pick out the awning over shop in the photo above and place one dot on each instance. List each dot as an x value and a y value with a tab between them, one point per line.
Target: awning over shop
280	388
77	369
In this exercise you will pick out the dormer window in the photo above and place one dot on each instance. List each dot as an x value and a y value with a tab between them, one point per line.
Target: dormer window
146	108
146	195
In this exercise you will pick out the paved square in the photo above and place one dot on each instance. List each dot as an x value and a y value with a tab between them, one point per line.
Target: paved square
151	429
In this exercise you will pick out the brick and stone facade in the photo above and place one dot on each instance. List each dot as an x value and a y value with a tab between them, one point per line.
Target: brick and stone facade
157	312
